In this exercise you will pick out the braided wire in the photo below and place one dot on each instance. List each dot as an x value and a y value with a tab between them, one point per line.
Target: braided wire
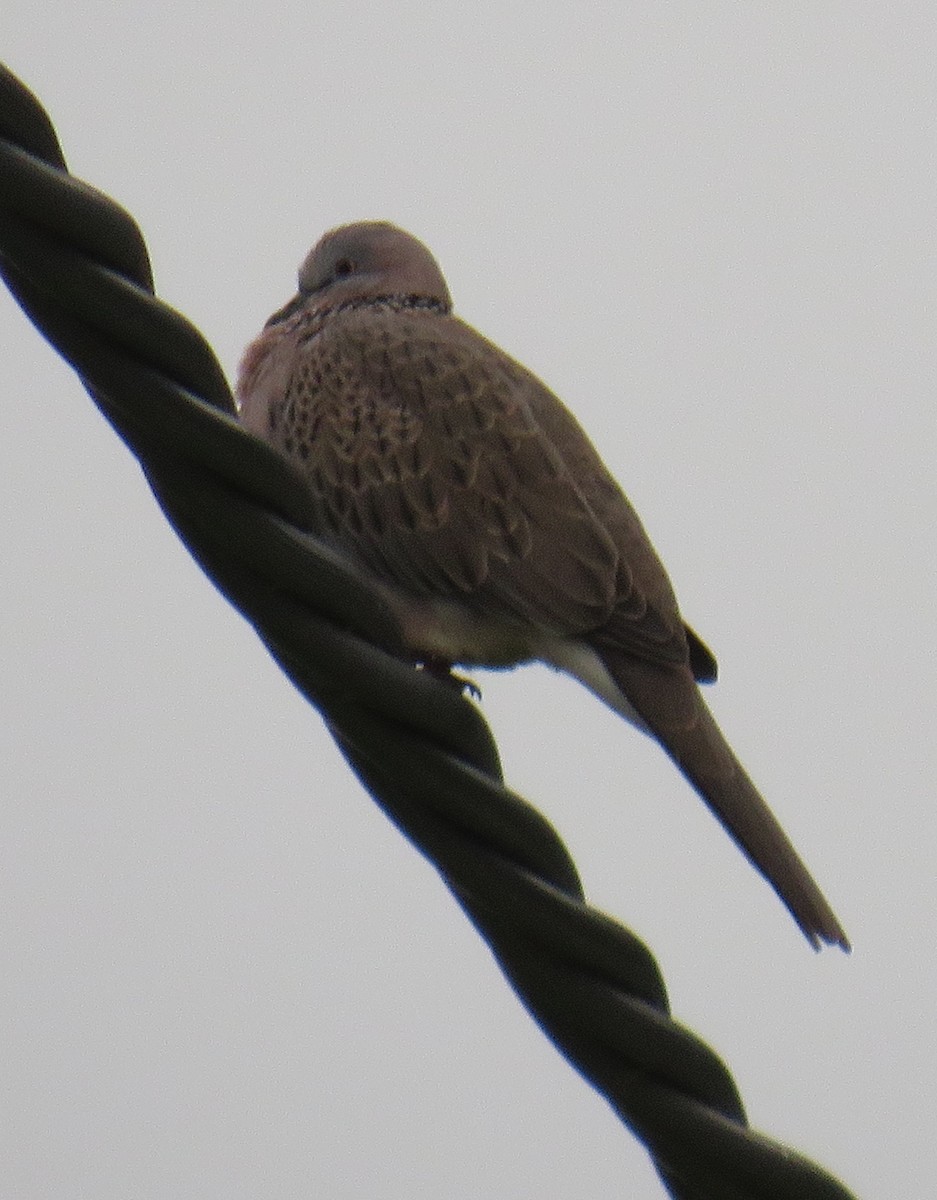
78	266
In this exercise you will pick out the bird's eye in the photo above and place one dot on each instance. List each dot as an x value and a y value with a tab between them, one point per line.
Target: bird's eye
343	267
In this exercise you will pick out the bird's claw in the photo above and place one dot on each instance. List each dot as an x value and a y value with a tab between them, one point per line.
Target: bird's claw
444	673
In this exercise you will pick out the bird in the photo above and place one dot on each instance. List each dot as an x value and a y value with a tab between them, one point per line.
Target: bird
472	499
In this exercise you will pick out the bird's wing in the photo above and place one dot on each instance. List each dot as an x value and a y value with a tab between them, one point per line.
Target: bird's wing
450	471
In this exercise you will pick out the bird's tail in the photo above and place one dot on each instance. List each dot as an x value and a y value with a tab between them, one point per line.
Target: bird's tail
669	702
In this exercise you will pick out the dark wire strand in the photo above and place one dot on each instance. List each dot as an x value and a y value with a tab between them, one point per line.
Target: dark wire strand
78	266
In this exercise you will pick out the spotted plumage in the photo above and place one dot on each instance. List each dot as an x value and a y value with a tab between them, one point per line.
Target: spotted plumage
472	497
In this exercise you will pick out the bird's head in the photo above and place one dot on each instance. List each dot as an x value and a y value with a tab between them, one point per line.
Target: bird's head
368	260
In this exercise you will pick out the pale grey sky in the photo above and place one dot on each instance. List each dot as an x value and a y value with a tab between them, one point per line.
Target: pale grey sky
710	229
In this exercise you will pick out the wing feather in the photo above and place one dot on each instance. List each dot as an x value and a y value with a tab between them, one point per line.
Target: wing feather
451	472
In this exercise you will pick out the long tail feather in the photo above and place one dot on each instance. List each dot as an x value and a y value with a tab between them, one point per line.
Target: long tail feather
669	702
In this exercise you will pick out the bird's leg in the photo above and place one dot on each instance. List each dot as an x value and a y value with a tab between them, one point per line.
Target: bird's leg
442	670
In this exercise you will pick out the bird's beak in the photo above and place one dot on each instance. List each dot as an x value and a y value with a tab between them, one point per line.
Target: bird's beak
287	310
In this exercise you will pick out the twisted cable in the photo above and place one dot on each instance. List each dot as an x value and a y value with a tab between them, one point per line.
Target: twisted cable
77	265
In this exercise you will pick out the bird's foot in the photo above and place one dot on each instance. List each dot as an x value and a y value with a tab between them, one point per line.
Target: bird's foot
442	670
